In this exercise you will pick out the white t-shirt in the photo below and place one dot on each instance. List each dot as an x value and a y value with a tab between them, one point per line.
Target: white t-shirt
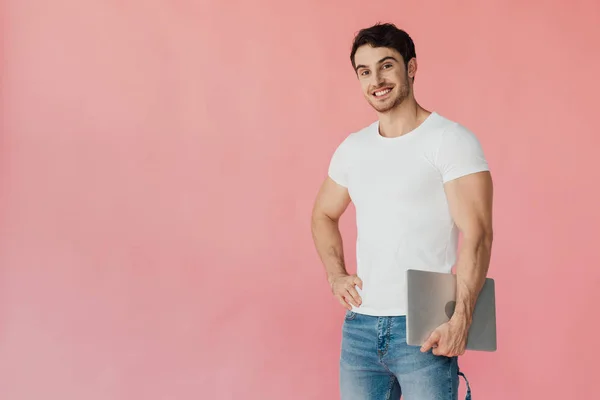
402	215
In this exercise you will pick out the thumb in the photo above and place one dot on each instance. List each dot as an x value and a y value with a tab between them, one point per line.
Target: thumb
433	339
358	282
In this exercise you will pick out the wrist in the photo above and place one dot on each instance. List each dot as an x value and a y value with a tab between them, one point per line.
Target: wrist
462	319
463	311
332	277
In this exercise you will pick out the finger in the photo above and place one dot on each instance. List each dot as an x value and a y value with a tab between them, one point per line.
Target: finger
453	351
355	296
430	342
348	297
343	302
358	282
426	346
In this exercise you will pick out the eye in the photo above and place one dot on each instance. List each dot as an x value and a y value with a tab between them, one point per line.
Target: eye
364	72
387	66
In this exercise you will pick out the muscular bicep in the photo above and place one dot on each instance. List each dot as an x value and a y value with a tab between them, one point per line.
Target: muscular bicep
470	202
332	200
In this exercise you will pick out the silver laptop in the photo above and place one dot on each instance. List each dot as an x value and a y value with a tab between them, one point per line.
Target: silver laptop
431	302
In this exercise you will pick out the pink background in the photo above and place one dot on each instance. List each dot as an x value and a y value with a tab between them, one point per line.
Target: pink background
159	160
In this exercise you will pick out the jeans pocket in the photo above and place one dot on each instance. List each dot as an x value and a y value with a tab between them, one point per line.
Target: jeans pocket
350	315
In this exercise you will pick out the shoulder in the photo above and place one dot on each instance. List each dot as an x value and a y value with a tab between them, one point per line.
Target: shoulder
356	140
459	151
452	130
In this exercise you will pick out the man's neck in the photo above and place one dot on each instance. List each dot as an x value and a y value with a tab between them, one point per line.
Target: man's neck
402	119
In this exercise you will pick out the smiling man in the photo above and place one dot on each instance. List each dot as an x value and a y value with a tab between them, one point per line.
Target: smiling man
416	179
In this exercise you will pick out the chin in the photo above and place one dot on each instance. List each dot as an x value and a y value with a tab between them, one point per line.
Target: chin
383	108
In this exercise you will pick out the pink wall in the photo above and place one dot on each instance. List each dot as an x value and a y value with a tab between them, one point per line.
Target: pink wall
159	162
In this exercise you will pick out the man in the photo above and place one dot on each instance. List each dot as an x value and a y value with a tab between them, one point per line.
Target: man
416	179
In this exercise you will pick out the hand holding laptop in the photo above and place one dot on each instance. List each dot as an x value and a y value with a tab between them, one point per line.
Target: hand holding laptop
449	339
431	322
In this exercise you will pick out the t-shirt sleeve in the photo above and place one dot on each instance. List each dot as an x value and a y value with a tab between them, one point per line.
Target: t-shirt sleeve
338	165
460	153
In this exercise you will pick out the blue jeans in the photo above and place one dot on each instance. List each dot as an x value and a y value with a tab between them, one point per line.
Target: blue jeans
377	364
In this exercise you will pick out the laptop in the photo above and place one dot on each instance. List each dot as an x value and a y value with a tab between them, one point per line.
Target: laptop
431	302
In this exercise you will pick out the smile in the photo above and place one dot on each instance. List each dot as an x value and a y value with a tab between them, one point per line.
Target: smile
383	92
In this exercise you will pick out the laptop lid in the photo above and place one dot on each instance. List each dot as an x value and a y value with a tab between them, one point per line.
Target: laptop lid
431	302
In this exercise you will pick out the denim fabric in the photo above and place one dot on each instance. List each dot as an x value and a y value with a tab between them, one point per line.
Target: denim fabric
377	364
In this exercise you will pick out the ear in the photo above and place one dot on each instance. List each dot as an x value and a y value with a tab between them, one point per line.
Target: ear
412	67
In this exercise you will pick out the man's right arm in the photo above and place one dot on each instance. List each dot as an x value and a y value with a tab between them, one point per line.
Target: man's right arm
331	202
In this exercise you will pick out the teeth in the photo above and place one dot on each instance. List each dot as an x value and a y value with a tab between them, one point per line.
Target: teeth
381	93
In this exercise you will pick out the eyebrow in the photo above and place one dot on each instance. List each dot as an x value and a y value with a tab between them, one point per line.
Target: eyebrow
378	62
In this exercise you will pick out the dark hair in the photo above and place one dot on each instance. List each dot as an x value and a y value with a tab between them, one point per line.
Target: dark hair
385	35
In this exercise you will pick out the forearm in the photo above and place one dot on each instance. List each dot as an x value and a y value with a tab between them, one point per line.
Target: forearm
328	242
471	271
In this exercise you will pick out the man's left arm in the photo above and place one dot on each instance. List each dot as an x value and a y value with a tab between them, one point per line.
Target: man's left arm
470	202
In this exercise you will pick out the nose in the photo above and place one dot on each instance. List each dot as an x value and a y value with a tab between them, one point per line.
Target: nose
378	76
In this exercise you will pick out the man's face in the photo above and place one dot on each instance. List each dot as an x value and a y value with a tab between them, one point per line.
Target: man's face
383	77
